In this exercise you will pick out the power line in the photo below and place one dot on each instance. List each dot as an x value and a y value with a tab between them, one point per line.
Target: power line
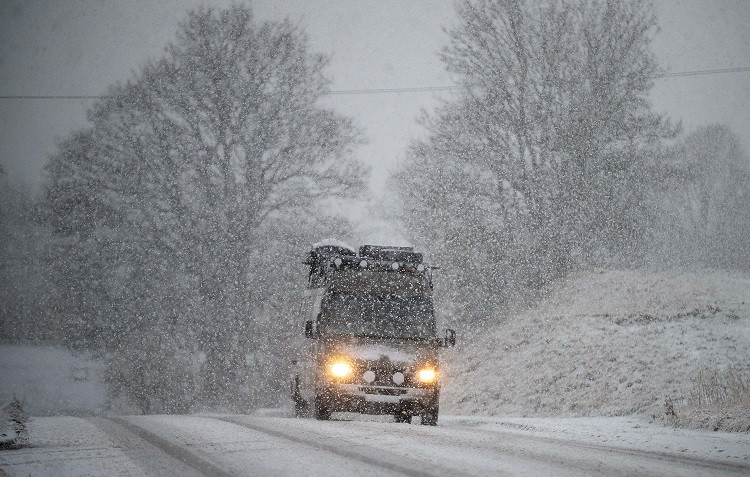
417	89
52	96
703	72
448	88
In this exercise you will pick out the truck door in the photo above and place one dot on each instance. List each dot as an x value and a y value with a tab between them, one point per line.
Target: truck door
307	362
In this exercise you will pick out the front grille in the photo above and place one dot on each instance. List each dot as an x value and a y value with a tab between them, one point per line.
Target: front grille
383	391
384	370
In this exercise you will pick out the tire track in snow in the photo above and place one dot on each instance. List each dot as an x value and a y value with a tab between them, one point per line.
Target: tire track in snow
444	452
553	451
540	461
150	459
366	456
186	457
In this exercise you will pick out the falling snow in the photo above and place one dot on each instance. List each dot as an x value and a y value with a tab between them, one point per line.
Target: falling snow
592	255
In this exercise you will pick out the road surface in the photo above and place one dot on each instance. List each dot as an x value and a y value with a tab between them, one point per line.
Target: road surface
228	445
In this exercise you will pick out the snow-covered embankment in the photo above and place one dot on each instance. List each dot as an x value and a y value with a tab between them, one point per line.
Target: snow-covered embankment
615	343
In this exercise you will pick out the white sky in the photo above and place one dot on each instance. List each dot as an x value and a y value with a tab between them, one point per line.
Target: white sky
79	47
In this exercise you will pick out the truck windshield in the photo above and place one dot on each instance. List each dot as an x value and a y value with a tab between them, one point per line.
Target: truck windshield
379	316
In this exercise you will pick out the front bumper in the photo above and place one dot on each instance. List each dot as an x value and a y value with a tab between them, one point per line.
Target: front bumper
369	399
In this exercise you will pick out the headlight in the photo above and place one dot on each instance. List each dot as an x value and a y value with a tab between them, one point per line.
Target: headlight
426	375
340	369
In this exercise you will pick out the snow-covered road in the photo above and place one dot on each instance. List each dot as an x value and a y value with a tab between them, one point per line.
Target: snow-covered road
256	445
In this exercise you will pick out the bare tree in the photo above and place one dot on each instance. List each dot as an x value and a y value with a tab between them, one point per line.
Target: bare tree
547	138
160	206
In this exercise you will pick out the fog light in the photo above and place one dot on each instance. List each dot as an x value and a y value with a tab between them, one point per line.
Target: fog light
369	376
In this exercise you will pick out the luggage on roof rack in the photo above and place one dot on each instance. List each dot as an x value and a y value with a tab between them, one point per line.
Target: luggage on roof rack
322	255
327	252
389	253
329	258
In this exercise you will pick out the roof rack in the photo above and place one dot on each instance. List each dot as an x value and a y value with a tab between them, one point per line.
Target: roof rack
328	256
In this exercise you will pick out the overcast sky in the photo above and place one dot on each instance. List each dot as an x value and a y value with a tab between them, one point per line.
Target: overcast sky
79	47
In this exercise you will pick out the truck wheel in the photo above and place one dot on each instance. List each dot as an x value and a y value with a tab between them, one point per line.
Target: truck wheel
300	405
403	416
430	417
322	413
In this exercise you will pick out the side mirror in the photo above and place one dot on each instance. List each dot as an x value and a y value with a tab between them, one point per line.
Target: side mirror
450	338
309	329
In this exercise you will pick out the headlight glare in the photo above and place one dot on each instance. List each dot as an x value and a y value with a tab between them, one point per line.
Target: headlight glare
427	375
340	369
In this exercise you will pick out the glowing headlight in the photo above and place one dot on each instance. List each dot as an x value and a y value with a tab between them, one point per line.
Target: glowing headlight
340	369
426	375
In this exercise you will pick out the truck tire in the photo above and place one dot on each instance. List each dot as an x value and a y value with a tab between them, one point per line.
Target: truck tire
430	416
322	413
300	405
403	417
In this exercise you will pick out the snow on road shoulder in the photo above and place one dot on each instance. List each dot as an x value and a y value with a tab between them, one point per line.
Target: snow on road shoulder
71	446
621	432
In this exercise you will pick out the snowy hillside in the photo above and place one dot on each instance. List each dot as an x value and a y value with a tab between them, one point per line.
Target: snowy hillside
609	343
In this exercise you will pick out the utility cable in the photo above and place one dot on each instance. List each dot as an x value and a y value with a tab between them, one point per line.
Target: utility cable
417	89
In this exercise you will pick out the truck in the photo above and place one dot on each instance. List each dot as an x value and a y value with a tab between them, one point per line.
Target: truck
371	345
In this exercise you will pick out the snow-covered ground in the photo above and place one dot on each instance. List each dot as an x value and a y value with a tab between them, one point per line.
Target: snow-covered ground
605	343
261	445
631	433
50	380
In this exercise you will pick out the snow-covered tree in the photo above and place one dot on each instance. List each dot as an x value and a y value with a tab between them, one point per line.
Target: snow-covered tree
705	199
163	208
537	162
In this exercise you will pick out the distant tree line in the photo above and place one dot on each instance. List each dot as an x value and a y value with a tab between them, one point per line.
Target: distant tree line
703	202
179	216
25	289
